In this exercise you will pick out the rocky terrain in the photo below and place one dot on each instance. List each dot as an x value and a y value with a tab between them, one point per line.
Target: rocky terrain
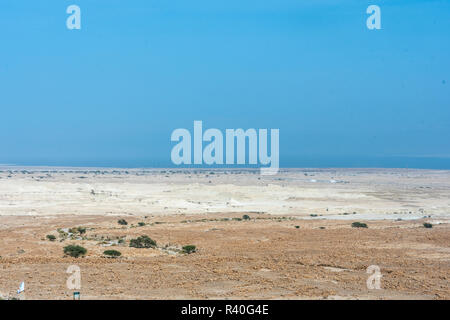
283	237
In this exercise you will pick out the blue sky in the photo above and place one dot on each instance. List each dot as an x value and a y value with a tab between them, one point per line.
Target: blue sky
112	93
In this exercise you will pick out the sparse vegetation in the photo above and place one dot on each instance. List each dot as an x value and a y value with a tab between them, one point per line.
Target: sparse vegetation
79	230
142	242
62	234
112	253
74	251
428	225
189	249
297	227
141	224
122	222
359	225
246	217
51	237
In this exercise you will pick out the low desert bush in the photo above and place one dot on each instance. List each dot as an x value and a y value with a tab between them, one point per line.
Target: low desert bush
142	242
246	217
51	237
122	222
359	225
189	249
428	225
112	253
79	230
62	234
74	251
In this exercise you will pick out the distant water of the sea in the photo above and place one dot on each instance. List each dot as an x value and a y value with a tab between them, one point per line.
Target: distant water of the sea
437	163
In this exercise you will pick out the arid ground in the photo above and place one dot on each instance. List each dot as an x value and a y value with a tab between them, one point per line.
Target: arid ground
296	240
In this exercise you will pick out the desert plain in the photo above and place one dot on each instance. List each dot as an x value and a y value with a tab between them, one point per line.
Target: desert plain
286	236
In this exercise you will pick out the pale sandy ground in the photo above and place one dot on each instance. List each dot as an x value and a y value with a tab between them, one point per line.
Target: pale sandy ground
266	257
372	192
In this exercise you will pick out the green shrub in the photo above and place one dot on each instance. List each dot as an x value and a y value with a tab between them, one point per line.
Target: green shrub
122	222
112	253
246	217
51	237
189	249
62	234
427	225
142	242
297	227
141	224
74	251
359	225
79	230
